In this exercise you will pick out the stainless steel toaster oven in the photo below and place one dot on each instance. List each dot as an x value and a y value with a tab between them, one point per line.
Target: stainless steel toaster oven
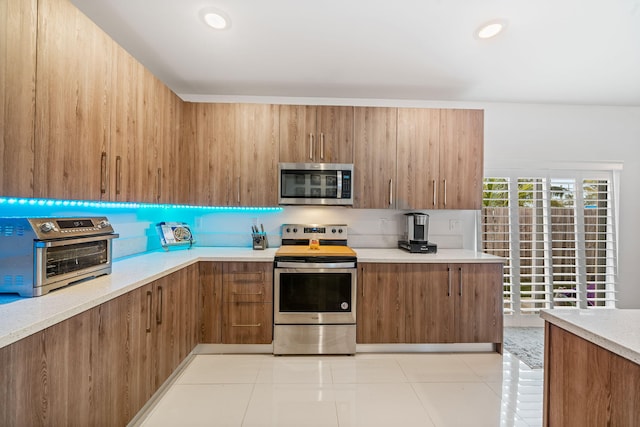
38	255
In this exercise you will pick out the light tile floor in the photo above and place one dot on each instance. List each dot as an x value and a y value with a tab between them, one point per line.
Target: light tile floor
367	390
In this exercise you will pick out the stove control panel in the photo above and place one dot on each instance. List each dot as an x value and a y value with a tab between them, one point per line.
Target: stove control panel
314	231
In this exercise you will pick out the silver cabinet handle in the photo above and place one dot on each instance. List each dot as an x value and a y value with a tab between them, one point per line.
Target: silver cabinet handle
238	189
159	184
118	174
434	193
321	145
449	277
362	274
149	307
159	310
246	325
460	281
390	192
103	172
445	192
310	146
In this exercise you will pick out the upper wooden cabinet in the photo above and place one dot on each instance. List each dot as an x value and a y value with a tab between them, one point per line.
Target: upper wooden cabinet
461	158
316	134
18	19
440	159
73	81
234	151
374	157
256	162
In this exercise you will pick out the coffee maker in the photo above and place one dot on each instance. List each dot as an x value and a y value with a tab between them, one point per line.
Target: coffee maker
415	238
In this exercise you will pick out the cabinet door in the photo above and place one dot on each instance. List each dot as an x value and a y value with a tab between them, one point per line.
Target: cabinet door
111	405
211	302
334	134
297	133
128	154
256	175
461	159
18	20
190	312
418	158
374	157
141	332
73	93
381	304
167	315
479	310
210	132
430	303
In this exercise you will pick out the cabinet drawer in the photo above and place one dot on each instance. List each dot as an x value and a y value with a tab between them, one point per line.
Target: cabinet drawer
247	282
247	323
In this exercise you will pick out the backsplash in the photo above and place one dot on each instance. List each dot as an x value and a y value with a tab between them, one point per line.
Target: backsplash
368	228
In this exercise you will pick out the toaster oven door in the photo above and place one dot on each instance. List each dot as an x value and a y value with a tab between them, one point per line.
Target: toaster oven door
62	262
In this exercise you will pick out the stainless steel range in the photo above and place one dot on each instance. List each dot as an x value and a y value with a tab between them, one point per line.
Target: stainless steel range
38	255
314	291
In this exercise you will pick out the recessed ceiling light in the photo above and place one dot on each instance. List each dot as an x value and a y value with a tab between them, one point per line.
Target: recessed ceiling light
215	19
491	29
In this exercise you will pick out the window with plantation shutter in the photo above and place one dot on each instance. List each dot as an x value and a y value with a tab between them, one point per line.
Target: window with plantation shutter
557	233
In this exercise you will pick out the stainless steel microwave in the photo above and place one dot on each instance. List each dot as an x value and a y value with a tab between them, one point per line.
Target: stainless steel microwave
315	183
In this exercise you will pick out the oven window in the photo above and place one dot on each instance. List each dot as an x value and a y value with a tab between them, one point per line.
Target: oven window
309	184
75	257
315	292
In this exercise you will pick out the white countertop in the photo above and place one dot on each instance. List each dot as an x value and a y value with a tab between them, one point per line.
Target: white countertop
394	255
21	317
615	330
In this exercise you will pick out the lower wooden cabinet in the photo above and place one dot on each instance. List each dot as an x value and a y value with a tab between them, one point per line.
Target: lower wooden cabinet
101	366
247	308
430	303
237	302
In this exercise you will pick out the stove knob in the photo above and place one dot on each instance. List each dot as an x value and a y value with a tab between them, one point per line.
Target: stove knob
333	230
46	227
295	230
340	230
288	230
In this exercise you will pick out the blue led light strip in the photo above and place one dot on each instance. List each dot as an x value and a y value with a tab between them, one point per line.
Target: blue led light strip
12	201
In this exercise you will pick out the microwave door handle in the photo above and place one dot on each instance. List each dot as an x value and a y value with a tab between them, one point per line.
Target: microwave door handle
339	184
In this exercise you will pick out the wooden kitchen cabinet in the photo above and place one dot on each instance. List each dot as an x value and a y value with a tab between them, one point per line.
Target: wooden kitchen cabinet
256	155
440	158
211	302
316	134
380	304
247	308
461	159
235	151
18	20
374	157
430	303
73	82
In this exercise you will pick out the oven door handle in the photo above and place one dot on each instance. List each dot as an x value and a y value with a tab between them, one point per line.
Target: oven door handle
73	241
314	265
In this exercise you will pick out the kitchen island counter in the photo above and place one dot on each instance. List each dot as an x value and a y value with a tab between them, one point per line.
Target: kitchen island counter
615	330
591	367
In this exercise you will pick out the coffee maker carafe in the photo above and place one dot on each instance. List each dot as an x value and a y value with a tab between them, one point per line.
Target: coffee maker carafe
417	227
416	236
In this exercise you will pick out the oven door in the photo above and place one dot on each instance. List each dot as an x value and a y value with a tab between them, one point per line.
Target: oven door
314	295
65	261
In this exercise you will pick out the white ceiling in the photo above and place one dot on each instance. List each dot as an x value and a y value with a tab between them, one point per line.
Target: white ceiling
553	51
